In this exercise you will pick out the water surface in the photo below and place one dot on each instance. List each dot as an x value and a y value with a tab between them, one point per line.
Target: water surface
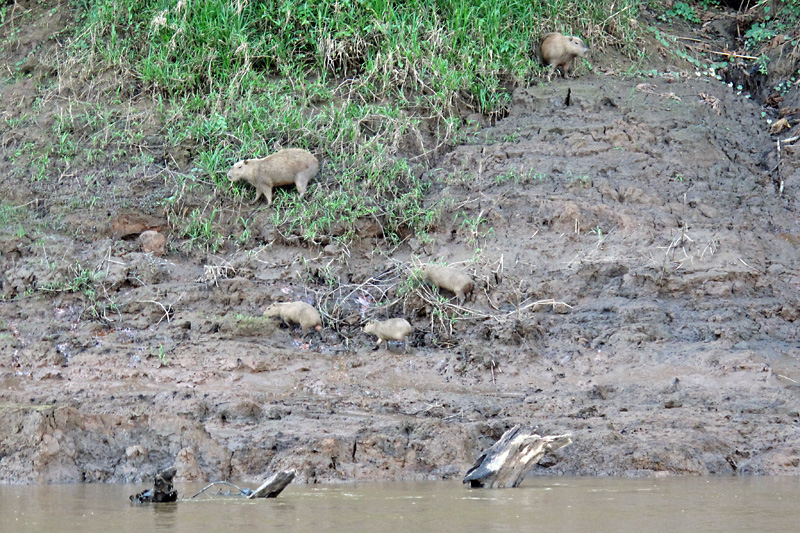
541	504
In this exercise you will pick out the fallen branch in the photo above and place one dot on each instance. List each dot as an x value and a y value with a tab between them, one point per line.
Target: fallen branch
274	485
271	488
706	49
244	492
780	143
505	464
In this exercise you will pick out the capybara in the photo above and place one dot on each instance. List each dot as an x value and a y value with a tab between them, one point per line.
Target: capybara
448	278
394	329
296	313
559	50
293	165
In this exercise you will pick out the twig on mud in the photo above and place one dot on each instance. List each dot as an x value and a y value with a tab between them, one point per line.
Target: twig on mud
333	302
711	100
425	410
754	269
213	273
216	483
168	310
778	165
706	49
459	414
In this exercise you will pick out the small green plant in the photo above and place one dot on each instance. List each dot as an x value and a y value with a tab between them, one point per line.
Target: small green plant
201	232
763	64
783	87
16	122
476	228
244	238
86	282
163	360
9	214
582	180
758	33
599	232
509	175
537	176
682	10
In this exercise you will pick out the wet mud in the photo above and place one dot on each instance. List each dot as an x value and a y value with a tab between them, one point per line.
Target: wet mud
634	244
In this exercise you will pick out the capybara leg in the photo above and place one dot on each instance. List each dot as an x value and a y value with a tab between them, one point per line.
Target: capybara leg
268	195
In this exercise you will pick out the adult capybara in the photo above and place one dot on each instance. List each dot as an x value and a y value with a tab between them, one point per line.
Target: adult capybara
448	278
293	165
394	329
296	313
559	50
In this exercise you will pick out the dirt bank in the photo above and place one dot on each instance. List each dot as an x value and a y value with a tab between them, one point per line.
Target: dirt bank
648	215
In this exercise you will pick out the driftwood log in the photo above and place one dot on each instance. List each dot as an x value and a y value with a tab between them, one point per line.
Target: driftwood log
162	490
505	464
274	485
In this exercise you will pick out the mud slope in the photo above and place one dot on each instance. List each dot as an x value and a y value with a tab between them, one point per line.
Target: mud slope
644	209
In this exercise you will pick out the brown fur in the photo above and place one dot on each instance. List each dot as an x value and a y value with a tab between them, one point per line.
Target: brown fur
394	329
448	278
285	167
559	50
296	313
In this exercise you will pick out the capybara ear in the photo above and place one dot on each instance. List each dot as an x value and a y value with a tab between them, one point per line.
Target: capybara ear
245	162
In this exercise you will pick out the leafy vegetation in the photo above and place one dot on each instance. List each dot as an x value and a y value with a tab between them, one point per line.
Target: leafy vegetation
681	10
374	88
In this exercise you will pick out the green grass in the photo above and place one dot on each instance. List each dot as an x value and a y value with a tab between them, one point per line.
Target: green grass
361	83
9	215
88	282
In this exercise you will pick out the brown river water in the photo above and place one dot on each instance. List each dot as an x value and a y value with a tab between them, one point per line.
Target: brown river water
551	504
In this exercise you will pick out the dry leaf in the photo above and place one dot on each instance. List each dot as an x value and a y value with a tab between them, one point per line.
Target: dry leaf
713	101
779	126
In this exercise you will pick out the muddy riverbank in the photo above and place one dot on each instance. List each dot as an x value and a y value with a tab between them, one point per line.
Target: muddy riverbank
635	257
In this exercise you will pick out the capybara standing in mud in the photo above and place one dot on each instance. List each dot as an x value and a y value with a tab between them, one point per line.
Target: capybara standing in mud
448	278
296	313
292	165
559	50
394	329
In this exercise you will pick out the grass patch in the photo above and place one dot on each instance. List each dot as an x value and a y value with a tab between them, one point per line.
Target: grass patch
87	282
372	87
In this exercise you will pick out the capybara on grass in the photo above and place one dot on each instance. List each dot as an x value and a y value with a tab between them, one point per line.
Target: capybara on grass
293	165
394	329
559	50
296	313
448	278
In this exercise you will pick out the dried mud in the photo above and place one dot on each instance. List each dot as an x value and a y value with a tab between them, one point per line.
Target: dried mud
646	211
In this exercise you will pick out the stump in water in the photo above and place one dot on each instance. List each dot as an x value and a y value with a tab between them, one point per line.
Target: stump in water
505	464
162	490
274	485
